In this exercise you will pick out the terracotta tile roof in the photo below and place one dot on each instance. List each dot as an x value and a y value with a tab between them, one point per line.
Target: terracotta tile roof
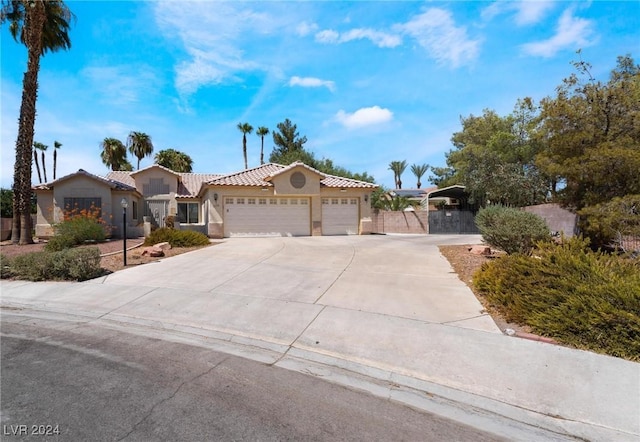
155	166
123	177
261	176
188	186
249	177
110	181
191	183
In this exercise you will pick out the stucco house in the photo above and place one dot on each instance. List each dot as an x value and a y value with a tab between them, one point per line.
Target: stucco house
269	200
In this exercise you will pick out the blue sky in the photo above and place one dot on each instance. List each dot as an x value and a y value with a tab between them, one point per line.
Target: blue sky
367	82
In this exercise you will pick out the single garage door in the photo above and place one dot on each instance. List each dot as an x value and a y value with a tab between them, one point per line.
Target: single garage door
340	216
251	216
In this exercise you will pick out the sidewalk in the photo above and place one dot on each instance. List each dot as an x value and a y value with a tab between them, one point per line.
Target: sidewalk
348	310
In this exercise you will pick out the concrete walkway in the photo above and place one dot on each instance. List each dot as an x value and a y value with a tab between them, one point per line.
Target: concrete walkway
382	313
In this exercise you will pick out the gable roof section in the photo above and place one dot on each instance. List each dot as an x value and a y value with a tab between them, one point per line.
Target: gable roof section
189	184
262	175
111	182
155	166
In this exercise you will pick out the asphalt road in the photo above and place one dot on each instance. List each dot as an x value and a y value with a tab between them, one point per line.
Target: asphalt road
93	383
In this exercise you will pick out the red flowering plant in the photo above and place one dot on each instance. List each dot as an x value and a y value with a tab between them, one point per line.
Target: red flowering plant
79	226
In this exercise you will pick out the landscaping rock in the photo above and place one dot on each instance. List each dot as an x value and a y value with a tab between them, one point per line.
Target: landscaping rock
163	245
153	251
480	250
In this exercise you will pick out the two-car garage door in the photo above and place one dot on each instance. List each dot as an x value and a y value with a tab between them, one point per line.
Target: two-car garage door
251	216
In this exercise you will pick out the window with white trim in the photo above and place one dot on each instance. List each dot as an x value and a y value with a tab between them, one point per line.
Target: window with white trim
283	201
262	201
334	200
251	201
294	201
325	200
240	200
354	201
304	202
228	200
344	201
273	201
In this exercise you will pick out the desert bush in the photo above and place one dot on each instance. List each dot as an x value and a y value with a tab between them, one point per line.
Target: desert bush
580	297
5	267
512	230
70	264
177	238
77	227
608	224
170	222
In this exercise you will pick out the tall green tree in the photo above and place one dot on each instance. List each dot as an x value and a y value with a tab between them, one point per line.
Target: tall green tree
174	160
289	145
245	128
37	147
56	145
591	135
140	145
114	154
262	132
419	170
398	168
42	26
494	158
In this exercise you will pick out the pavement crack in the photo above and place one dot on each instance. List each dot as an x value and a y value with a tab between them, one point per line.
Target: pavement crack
353	255
167	399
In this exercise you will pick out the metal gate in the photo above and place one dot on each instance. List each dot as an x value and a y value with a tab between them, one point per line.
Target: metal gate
452	221
157	210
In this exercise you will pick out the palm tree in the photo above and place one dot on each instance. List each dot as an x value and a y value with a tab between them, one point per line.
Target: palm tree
42	26
139	145
114	154
262	132
56	145
245	128
398	168
419	170
36	147
174	160
44	166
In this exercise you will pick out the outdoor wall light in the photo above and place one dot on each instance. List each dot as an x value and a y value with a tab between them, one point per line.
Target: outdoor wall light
343	190
366	198
215	197
264	189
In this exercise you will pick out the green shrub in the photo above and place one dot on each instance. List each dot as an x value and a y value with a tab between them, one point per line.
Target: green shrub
579	297
606	224
5	267
511	230
177	238
70	264
59	242
77	227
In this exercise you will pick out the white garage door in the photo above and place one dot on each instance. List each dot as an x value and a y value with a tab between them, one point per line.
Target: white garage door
340	216
251	216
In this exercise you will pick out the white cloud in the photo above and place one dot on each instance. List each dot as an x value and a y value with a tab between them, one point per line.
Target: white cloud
526	12
378	38
121	85
571	32
212	35
435	31
531	12
365	116
304	28
311	82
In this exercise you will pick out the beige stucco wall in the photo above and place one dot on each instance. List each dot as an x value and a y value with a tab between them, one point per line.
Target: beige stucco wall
44	216
81	187
145	176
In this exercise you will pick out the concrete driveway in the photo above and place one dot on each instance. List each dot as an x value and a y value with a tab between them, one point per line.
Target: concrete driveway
388	308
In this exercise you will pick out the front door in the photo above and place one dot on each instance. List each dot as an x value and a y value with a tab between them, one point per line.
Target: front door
157	210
